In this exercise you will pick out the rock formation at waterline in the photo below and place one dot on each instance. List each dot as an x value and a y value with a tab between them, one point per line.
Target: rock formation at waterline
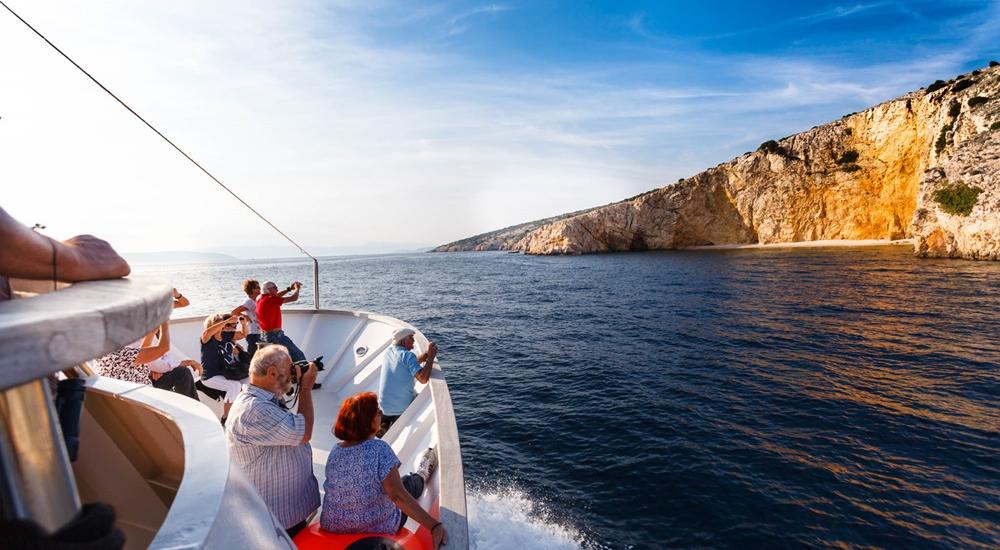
948	225
869	175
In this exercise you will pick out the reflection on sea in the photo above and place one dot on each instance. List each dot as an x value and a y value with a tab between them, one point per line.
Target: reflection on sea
744	398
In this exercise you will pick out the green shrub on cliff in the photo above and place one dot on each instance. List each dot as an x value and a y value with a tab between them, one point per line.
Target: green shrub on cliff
770	146
849	157
957	199
978	100
962	84
954	109
851	168
995	125
994	63
937	85
942	140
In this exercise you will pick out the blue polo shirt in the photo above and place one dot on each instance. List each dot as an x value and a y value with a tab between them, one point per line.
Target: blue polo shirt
395	382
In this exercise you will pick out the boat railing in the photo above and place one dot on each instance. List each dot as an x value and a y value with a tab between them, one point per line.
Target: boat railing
43	335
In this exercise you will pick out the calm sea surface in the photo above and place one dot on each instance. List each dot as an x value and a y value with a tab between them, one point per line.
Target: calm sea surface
751	398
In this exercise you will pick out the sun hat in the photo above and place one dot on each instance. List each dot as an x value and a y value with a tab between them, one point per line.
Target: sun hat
401	334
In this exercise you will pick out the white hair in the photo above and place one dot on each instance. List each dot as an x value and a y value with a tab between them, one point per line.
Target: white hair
266	357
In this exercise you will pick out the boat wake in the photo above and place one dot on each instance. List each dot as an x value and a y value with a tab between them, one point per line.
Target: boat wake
505	518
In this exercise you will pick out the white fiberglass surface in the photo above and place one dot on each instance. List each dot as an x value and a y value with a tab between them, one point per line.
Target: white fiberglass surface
352	345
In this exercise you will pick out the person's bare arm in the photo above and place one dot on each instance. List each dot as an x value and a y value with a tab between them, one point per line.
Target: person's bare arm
239	309
148	339
192	364
28	255
149	353
295	294
427	358
212	330
242	333
306	399
180	300
392	485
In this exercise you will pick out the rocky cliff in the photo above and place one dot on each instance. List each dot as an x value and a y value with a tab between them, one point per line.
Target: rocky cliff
958	207
869	175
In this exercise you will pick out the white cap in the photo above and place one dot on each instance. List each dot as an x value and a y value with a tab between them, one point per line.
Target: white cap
401	334
269	284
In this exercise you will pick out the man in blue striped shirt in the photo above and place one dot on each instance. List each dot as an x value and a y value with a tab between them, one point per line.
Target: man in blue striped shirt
270	443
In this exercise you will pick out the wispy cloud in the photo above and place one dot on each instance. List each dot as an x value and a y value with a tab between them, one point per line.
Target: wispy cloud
458	24
822	16
326	127
840	12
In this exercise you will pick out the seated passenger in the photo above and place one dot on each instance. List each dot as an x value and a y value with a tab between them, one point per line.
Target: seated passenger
169	373
364	493
131	363
138	361
400	366
220	357
270	443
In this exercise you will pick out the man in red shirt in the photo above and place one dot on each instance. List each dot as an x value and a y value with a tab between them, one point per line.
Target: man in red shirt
269	316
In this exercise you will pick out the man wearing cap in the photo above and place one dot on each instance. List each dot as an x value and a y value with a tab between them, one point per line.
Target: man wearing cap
400	366
269	316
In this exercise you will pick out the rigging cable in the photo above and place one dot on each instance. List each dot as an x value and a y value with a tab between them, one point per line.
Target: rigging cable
172	144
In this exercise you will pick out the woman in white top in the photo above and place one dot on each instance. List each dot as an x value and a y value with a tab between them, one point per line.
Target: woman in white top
167	372
149	362
249	310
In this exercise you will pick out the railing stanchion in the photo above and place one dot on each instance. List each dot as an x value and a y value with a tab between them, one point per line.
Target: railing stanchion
315	284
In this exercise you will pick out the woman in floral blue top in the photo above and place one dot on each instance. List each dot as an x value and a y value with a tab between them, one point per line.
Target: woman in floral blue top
364	492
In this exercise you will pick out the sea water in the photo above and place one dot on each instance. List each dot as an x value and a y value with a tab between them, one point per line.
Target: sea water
745	398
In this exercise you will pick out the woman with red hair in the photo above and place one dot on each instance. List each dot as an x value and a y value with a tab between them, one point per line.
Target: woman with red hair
364	492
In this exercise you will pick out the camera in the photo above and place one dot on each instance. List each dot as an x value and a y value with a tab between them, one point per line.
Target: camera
302	367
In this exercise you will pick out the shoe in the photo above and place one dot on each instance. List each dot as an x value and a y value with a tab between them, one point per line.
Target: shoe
317	385
428	463
319	363
223	420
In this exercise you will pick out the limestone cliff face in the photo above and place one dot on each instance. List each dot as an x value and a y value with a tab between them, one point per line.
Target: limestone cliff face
976	236
856	178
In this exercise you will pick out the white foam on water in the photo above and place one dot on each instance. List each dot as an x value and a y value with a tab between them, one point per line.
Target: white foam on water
505	519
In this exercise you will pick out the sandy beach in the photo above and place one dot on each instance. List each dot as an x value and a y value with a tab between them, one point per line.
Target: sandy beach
807	244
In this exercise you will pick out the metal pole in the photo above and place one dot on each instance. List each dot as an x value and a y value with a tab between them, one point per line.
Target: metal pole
315	284
38	481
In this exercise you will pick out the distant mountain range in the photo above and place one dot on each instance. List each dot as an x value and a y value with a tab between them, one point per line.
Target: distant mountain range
238	253
176	257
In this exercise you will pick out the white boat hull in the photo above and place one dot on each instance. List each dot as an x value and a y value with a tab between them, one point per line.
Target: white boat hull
353	344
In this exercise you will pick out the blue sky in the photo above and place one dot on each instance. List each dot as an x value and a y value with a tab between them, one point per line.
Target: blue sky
404	122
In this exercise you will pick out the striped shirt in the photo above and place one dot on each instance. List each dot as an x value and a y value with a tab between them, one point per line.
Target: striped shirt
266	441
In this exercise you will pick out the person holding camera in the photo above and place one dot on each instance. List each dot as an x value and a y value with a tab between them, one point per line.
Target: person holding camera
249	308
271	443
220	359
269	316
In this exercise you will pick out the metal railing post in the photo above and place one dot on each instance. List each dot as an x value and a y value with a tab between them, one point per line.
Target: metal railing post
38	481
315	284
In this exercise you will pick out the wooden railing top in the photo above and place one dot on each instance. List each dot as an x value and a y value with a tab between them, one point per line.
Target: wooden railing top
51	332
